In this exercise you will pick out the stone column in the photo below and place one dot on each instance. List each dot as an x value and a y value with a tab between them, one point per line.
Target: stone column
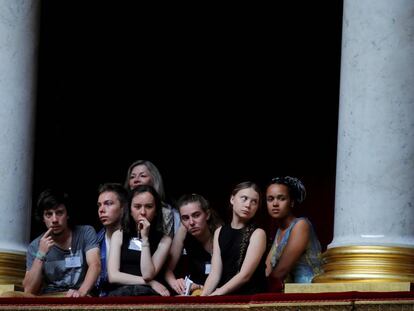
374	205
18	58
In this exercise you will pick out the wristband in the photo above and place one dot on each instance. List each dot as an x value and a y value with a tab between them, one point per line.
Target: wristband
145	244
41	256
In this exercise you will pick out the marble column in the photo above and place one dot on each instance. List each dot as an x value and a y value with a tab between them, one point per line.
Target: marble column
374	204
18	58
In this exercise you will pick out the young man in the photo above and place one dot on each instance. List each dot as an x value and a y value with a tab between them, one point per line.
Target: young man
63	259
112	202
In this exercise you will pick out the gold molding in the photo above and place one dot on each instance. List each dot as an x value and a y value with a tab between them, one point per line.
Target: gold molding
300	288
12	268
367	264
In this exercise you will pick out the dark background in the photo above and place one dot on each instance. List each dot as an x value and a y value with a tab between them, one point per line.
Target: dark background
211	94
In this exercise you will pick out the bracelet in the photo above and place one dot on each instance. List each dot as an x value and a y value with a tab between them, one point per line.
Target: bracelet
145	244
41	256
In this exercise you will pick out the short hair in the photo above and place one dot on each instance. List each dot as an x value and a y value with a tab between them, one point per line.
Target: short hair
51	199
116	188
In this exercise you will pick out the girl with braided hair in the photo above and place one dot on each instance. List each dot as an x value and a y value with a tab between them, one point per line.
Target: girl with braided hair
295	255
238	261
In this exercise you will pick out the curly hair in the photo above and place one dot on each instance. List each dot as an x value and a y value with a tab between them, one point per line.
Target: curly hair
52	199
296	188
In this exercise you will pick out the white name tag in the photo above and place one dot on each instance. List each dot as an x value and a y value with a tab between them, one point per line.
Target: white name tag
188	284
72	262
135	244
207	269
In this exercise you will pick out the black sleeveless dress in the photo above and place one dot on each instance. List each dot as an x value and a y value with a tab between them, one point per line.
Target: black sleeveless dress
130	259
197	258
130	263
229	242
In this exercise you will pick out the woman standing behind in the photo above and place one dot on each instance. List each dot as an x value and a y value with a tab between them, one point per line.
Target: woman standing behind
138	251
144	172
196	238
238	265
295	255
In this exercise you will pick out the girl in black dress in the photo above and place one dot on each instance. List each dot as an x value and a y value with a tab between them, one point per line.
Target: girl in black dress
195	238
238	262
138	250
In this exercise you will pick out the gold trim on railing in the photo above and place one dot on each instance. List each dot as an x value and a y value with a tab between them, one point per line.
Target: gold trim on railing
367	264
12	268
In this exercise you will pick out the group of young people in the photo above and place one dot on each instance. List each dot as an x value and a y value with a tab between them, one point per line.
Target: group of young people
148	247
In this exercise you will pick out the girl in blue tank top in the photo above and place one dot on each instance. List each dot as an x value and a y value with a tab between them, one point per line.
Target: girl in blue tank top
295	255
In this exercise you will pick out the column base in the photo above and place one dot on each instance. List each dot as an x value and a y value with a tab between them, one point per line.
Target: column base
12	268
367	264
11	290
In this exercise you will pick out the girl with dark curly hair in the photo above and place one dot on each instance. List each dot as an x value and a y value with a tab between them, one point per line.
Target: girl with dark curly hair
295	255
